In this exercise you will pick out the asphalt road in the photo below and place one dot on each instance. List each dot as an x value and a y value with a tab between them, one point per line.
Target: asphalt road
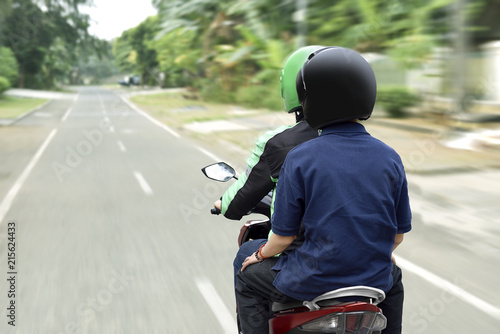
112	230
113	235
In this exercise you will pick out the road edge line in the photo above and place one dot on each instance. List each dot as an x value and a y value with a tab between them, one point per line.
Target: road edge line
151	118
220	310
9	198
457	291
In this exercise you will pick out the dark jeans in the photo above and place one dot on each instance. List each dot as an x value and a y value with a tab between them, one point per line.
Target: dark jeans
247	249
392	306
255	293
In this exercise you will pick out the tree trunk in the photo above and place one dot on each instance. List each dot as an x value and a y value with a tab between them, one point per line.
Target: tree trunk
20	79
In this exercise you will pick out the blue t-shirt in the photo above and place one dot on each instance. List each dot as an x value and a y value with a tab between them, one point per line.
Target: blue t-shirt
350	191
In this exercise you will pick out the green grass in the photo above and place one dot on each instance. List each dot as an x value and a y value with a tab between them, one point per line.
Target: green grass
13	107
177	109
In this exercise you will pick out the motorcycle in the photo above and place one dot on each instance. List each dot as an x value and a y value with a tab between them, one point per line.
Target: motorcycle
327	313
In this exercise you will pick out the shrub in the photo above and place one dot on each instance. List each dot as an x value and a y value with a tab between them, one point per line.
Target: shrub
211	91
248	96
395	99
264	96
4	84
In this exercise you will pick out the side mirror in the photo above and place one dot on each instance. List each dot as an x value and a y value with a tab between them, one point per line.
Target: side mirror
219	172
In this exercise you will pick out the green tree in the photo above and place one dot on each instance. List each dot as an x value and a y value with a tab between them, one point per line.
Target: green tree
406	30
240	41
209	20
5	9
43	39
124	54
178	57
4	84
141	39
8	65
29	35
95	63
135	51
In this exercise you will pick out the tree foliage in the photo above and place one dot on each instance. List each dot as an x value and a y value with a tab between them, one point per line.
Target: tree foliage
4	84
8	65
135	51
233	46
49	39
224	48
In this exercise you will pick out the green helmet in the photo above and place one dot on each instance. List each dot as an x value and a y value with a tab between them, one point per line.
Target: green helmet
289	74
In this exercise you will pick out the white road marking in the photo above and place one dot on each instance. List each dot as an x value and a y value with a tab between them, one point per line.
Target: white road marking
143	183
42	114
128	131
208	154
450	287
155	121
66	114
11	195
102	105
225	318
121	146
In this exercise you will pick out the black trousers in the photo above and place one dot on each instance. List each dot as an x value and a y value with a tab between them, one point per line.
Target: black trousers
392	306
255	293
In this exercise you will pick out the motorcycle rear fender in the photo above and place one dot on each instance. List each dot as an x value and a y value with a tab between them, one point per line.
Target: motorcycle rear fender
254	229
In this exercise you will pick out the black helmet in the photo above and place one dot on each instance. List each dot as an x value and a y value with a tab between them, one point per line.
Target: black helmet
336	85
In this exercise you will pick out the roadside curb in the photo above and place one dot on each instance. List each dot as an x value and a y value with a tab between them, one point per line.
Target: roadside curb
450	170
404	126
9	122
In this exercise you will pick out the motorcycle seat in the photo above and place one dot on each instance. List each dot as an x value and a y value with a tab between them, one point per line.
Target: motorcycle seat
354	293
279	307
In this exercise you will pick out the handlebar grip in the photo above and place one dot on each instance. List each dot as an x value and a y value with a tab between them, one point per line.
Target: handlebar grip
215	211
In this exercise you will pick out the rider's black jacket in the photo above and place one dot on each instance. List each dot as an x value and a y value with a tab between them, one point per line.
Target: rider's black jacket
261	175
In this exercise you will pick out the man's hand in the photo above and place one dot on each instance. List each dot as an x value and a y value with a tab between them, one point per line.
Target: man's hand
218	204
249	260
275	245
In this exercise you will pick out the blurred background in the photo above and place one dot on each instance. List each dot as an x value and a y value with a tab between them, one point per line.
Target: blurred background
102	252
232	50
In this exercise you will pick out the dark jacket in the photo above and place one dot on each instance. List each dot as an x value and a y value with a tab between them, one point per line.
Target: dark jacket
263	168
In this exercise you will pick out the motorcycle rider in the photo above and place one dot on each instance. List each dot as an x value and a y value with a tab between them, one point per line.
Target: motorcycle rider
347	188
264	164
270	151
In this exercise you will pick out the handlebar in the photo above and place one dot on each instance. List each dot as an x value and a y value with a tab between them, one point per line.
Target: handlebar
215	211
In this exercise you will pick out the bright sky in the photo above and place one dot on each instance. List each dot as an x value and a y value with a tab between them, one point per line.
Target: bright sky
109	18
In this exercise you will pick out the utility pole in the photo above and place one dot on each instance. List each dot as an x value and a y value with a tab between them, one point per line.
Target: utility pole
460	63
301	18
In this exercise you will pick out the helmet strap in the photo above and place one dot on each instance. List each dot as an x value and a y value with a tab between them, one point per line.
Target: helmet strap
299	115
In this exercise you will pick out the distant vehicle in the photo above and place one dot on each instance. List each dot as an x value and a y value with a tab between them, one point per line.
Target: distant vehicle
133	80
